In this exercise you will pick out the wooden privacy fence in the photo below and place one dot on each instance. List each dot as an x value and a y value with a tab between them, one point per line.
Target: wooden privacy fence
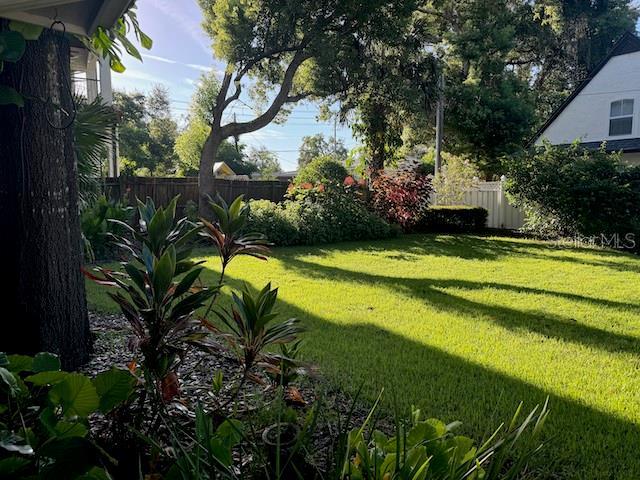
163	189
491	196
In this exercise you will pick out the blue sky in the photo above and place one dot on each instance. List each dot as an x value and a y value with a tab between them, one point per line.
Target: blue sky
181	53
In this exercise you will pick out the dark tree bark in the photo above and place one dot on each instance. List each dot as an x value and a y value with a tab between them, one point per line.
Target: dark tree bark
44	307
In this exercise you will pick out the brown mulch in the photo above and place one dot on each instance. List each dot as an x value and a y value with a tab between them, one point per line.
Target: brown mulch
112	347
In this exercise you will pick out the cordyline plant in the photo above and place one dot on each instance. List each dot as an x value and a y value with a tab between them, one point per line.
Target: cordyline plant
227	235
251	328
226	232
157	292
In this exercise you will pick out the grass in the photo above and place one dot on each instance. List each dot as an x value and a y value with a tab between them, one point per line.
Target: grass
466	327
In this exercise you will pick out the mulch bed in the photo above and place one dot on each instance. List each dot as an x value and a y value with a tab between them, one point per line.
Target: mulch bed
196	372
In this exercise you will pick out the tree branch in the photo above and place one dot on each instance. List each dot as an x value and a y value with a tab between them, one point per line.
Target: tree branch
234	128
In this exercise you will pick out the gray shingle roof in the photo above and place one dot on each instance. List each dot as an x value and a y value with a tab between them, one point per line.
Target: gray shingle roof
623	145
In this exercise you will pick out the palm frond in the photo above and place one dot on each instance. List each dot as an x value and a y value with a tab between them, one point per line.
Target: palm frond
93	132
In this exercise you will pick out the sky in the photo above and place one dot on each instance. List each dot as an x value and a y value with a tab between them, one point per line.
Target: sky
182	52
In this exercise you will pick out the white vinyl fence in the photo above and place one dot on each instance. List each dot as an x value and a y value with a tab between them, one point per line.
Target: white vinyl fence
490	195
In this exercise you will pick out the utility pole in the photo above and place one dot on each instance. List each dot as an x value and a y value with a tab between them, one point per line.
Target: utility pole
439	121
335	135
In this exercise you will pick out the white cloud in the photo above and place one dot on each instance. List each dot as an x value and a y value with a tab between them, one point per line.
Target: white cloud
133	74
159	59
202	68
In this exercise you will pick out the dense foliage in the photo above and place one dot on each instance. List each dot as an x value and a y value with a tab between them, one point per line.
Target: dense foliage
401	198
44	418
271	219
156	297
314	146
324	169
146	133
318	214
573	191
456	177
98	229
457	218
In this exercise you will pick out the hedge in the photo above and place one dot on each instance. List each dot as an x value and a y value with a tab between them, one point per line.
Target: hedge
455	218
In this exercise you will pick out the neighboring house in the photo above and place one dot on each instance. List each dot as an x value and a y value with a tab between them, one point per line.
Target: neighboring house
605	107
91	76
286	176
222	170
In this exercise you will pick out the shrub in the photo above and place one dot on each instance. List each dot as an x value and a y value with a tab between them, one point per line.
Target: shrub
271	220
579	192
98	227
402	198
456	218
457	176
314	216
324	169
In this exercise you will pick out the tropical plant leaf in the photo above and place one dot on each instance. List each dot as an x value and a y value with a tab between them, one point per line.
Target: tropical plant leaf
76	395
113	387
12	46
27	30
45	362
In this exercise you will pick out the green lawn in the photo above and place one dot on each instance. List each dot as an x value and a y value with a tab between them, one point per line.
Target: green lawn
466	327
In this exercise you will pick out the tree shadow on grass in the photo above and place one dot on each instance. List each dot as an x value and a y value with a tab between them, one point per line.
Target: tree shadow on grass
477	247
430	290
582	443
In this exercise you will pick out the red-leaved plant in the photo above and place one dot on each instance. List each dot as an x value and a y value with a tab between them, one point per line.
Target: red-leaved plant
401	198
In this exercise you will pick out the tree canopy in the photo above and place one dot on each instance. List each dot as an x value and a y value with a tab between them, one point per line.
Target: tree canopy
314	146
280	47
147	132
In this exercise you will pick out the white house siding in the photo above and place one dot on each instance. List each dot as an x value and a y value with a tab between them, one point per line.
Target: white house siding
586	118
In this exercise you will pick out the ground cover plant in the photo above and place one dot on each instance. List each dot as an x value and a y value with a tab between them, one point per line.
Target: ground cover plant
465	327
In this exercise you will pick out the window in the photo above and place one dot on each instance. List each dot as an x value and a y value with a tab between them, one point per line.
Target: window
621	118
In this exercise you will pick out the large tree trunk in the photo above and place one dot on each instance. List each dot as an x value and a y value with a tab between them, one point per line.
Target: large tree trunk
206	180
377	139
44	306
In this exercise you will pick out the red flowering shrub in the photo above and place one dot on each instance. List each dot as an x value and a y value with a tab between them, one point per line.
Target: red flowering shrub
401	198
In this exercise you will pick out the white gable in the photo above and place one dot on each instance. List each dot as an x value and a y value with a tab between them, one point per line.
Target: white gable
586	118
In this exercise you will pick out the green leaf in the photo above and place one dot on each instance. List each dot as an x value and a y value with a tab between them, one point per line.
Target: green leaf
164	272
46	362
96	473
27	30
76	394
113	387
187	281
64	429
145	40
217	382
20	363
116	65
11	465
8	381
9	96
12	45
46	378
